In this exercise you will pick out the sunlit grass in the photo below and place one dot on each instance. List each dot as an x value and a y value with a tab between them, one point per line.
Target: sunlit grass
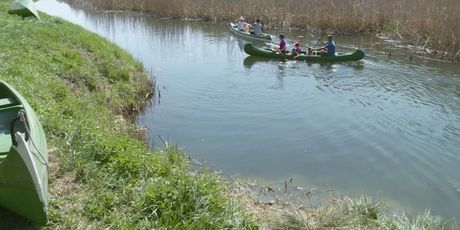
328	211
84	90
102	176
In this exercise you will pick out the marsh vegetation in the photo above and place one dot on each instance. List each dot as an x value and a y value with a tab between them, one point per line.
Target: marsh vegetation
428	24
84	90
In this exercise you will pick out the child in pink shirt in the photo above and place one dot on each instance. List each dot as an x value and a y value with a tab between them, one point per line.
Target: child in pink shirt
297	50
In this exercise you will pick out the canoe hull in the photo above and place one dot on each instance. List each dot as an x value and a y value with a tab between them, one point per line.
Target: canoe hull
264	37
260	52
24	164
24	8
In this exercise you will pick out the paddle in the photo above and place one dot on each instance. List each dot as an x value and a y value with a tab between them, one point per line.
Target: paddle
276	44
271	43
320	38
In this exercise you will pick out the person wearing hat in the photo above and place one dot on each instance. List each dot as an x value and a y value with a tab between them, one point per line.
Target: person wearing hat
328	48
243	25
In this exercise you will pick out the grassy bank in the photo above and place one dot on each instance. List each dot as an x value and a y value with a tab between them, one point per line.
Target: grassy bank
82	88
286	206
427	23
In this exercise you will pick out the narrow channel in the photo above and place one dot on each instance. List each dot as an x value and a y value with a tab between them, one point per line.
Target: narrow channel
387	126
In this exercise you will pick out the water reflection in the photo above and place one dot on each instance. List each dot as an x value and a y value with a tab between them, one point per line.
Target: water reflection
387	126
249	61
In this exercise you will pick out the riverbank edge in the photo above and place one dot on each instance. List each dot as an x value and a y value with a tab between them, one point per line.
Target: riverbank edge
414	45
86	92
101	174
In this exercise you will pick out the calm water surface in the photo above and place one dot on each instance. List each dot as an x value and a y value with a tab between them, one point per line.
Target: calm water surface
385	126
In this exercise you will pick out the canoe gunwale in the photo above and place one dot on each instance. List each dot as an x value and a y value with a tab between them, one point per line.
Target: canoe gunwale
24	8
27	193
252	50
26	154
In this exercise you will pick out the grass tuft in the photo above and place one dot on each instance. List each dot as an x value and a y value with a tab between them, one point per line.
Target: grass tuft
325	211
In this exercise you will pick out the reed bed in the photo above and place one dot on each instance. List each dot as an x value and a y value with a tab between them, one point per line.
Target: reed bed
427	23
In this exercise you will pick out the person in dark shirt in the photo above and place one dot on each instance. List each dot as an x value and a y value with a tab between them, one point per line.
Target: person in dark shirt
328	48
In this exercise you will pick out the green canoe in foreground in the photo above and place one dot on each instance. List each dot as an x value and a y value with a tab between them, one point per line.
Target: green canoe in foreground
24	8
261	52
263	37
23	158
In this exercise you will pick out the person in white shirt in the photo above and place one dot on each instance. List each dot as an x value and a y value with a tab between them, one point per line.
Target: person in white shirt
243	25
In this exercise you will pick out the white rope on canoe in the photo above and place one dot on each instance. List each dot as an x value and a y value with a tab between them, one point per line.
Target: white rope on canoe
41	159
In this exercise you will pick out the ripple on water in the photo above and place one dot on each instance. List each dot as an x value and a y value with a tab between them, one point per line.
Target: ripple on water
384	125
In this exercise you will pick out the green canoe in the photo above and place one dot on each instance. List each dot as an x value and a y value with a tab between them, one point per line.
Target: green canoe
24	8
261	52
23	158
263	37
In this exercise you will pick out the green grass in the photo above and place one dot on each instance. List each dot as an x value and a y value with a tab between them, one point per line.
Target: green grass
82	88
329	211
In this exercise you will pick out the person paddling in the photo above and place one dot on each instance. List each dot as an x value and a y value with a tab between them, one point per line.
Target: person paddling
328	48
282	45
258	28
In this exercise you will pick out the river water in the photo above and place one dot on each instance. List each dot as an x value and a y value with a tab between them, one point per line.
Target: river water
387	126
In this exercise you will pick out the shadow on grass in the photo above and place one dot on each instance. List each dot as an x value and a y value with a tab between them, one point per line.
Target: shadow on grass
9	220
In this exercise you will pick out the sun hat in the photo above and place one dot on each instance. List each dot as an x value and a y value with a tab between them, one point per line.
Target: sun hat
241	18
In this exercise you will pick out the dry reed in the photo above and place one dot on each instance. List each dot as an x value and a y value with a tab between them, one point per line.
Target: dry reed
428	23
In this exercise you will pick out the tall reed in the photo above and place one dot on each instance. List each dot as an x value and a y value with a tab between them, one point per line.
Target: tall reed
430	23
